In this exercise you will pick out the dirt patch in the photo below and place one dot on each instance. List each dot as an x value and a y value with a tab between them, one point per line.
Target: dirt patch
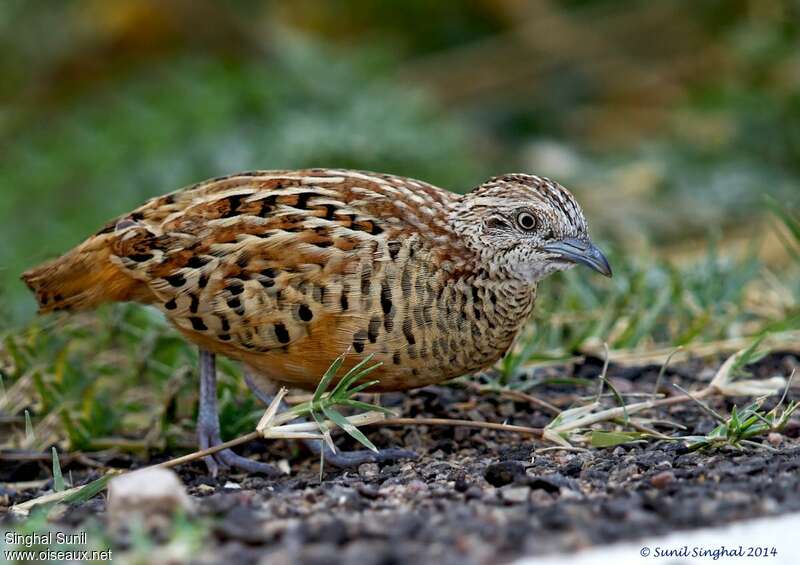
476	496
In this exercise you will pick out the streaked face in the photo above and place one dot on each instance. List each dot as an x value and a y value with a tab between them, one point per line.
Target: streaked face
529	227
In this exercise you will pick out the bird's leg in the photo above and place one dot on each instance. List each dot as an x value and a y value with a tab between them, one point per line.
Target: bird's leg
341	459
207	417
208	434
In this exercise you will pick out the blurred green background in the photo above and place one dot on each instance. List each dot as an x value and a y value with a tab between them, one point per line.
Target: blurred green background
672	121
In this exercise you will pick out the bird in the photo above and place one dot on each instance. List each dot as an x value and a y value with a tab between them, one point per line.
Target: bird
284	270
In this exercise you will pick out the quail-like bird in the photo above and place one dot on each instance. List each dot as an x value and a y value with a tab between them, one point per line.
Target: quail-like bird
285	270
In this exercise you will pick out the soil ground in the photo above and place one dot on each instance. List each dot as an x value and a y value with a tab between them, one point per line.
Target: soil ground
480	496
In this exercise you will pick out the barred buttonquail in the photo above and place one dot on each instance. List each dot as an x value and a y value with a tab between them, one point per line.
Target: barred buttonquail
285	270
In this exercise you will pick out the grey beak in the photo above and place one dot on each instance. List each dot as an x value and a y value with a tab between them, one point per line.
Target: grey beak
581	251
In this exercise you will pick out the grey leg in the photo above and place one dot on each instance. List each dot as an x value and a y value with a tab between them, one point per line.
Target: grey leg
207	417
341	459
208	434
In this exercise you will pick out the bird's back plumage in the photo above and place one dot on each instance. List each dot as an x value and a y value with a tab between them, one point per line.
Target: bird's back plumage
285	270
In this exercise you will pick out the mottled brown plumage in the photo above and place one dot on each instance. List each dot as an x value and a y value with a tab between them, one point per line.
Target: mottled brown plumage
285	270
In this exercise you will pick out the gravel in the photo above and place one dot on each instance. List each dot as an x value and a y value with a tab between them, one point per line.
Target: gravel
480	496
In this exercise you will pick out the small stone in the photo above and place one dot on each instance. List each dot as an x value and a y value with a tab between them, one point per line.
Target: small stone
230	485
461	484
205	489
626	473
768	506
473	493
515	494
368	492
153	495
775	439
662	479
541	498
506	410
416	487
241	524
504	473
569	494
572	468
551	483
369	470
283	467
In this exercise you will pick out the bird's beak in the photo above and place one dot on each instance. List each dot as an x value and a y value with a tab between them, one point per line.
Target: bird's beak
581	251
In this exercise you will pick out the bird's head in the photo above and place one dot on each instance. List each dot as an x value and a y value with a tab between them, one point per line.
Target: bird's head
527	227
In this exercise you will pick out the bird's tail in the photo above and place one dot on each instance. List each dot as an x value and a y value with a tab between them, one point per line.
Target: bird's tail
82	278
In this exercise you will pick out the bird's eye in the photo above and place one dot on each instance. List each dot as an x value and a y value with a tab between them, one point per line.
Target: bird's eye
526	221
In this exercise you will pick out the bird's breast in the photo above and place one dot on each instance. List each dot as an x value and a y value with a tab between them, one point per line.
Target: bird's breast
422	324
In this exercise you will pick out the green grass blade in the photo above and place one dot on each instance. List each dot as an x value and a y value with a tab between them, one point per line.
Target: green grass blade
359	388
618	398
30	435
344	386
612	439
366	406
349	428
326	378
352	375
89	490
58	478
318	419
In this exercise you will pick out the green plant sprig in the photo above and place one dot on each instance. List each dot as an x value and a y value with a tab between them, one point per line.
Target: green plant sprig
744	424
323	402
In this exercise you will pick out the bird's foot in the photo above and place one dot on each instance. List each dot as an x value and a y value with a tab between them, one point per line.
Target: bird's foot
226	459
208	434
345	459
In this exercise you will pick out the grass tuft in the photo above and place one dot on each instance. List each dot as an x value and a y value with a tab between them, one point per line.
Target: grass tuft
30	435
58	478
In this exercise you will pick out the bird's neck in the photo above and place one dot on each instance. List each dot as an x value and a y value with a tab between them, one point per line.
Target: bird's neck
508	304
